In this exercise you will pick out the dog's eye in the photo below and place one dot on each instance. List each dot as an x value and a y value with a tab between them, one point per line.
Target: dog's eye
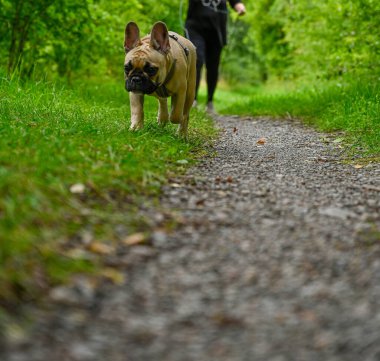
128	67
150	70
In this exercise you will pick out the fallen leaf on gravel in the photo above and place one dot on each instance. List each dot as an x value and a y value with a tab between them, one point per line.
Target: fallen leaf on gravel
77	188
235	129
100	248
200	202
113	275
261	141
229	179
226	320
322	159
136	238
358	166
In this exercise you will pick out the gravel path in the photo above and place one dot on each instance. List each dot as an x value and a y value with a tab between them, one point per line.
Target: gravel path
276	258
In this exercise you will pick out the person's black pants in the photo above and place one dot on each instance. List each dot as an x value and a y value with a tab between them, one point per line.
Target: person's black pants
209	50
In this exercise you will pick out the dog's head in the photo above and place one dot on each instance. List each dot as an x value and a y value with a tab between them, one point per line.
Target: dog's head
146	60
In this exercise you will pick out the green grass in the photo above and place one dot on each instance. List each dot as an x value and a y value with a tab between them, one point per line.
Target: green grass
53	138
353	107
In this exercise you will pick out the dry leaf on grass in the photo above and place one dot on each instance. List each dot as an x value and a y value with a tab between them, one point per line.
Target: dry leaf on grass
78	253
128	147
136	238
100	248
77	188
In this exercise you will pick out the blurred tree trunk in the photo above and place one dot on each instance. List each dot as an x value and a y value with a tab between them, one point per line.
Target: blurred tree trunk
15	45
25	13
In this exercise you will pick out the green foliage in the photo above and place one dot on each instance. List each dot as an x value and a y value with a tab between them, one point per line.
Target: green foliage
334	38
236	68
53	138
67	37
257	49
40	32
283	39
306	39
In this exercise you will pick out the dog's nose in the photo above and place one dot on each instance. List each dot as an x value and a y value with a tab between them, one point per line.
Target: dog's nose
136	80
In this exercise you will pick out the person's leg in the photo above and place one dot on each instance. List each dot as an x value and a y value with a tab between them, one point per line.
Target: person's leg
213	52
199	42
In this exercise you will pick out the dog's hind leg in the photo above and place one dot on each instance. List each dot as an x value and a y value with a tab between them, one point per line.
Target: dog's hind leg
186	114
163	114
190	95
176	112
137	111
182	129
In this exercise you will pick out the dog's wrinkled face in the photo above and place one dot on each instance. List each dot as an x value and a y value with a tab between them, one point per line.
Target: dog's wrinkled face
140	73
145	61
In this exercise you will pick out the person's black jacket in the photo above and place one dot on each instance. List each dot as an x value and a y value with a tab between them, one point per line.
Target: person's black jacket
201	17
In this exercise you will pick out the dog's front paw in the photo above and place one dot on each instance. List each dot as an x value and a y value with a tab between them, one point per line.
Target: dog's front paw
136	126
162	121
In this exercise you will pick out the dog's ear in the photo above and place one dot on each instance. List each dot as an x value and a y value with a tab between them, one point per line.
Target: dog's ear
159	37
132	36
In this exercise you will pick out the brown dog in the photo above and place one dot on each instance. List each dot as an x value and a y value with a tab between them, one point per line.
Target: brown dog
161	64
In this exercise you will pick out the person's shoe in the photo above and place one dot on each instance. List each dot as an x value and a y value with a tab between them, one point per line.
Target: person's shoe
210	108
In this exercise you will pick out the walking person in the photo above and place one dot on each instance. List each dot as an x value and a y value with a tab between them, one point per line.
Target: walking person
206	27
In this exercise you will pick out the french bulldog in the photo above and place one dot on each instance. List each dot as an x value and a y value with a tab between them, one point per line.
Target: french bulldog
161	64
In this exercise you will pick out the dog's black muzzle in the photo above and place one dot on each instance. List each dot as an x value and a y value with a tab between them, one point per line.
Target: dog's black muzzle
140	84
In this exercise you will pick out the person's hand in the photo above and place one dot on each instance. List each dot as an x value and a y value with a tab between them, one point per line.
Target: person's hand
240	8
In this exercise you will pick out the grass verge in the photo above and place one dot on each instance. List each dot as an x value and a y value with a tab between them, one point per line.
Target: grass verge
68	163
352	107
